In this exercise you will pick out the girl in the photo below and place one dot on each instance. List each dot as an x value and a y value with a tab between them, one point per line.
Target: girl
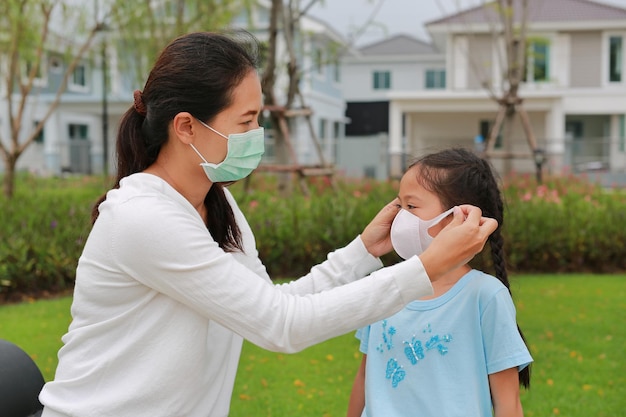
169	282
457	352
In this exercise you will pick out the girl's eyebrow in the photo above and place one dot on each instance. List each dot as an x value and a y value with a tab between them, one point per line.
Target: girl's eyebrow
410	196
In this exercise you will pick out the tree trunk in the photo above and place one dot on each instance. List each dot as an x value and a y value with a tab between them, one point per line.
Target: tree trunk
507	141
490	141
8	182
268	82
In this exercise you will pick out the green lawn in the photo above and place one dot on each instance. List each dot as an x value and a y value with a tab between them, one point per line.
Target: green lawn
574	324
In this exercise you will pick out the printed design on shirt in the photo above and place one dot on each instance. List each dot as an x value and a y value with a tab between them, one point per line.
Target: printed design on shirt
387	337
414	350
395	372
437	341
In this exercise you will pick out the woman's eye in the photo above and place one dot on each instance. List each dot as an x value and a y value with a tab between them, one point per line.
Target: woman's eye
410	207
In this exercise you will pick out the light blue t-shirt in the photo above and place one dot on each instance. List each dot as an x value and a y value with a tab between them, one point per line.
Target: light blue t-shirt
433	358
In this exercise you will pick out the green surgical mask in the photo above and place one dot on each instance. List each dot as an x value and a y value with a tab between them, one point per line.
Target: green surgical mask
243	156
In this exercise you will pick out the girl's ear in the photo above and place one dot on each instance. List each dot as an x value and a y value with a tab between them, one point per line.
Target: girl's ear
184	127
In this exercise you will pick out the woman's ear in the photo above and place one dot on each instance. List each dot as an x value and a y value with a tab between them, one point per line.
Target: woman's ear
184	127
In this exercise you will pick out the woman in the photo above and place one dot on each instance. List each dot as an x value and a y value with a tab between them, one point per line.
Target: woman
170	280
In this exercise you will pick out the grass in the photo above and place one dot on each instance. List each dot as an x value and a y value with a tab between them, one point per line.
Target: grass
574	324
37	327
575	327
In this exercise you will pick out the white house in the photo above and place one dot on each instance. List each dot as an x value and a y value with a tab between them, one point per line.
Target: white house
73	138
575	89
370	76
397	98
406	97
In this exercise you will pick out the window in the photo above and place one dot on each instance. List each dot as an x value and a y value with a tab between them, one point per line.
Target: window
574	129
538	61
29	68
622	132
40	137
40	79
485	129
336	130
336	138
615	59
435	79
382	80
319	61
322	128
79	77
77	131
55	64
369	171
336	71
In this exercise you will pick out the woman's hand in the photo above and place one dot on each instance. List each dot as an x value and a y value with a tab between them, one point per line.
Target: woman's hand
376	237
458	242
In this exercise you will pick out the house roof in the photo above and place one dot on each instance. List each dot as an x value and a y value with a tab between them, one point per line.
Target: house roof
399	45
539	11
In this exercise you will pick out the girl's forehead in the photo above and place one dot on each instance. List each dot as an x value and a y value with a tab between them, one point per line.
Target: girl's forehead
412	187
411	179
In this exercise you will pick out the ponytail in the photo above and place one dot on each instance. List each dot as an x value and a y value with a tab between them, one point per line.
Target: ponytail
132	155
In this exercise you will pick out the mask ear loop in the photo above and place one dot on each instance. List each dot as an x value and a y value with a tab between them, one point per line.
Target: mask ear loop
211	129
199	154
434	222
442	216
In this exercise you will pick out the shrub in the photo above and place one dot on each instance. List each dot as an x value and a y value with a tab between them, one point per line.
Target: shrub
296	232
44	228
564	224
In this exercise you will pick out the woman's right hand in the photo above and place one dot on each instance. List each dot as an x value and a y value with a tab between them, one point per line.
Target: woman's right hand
458	242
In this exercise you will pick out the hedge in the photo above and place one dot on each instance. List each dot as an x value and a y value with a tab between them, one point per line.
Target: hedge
565	224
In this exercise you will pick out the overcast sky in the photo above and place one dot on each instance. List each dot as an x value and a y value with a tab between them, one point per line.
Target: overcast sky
394	16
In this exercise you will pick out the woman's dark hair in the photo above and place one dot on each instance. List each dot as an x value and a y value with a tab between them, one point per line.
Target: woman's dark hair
195	73
459	176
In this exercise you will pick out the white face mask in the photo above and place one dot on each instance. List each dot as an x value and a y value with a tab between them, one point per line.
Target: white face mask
409	233
243	156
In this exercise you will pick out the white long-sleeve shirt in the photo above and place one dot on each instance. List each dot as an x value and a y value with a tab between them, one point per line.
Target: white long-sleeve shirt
159	310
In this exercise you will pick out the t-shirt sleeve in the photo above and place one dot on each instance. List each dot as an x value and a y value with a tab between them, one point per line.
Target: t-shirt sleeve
504	346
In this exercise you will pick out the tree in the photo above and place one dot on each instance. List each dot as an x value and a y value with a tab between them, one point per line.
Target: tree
286	105
282	108
509	101
511	26
148	26
32	29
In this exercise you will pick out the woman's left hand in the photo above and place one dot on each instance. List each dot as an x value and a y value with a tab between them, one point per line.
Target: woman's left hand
376	236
